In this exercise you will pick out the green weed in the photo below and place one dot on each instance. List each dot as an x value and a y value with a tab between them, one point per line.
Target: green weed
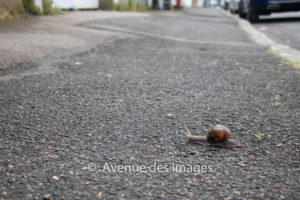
283	61
116	6
275	53
30	7
260	135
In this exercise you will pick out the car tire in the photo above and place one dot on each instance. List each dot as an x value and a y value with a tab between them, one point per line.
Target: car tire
226	7
252	16
242	15
241	10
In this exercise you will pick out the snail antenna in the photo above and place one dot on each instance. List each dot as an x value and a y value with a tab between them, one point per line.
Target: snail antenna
188	132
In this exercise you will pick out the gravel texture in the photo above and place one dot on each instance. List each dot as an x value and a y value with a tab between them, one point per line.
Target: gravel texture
119	104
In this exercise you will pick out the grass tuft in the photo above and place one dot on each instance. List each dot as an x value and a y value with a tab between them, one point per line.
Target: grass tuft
30	7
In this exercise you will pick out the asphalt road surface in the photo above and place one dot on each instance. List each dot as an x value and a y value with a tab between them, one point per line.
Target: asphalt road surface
70	125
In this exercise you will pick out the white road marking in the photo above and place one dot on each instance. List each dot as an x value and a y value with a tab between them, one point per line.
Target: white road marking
177	39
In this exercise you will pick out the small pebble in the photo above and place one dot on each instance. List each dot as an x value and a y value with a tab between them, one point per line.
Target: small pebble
170	115
99	195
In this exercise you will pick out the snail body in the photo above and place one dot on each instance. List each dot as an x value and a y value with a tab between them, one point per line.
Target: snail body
217	136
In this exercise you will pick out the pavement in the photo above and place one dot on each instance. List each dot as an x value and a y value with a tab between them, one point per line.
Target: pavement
107	122
32	39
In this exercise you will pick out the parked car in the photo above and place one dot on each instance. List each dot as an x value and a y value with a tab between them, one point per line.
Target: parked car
225	4
251	9
234	6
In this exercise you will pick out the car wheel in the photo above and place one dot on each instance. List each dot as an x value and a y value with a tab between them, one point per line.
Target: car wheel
252	16
226	7
241	10
242	15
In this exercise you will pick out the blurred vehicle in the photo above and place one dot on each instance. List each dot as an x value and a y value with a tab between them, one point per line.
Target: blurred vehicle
234	6
225	4
251	9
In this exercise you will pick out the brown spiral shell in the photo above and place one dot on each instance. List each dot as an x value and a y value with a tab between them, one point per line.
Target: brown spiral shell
218	133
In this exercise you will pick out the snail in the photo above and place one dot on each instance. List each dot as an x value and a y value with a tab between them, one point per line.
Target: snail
217	136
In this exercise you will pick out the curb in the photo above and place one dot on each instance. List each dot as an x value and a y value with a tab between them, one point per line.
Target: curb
260	38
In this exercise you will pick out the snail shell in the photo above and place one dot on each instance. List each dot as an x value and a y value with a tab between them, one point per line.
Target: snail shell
218	133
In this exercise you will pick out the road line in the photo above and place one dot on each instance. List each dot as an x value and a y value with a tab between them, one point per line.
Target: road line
131	31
